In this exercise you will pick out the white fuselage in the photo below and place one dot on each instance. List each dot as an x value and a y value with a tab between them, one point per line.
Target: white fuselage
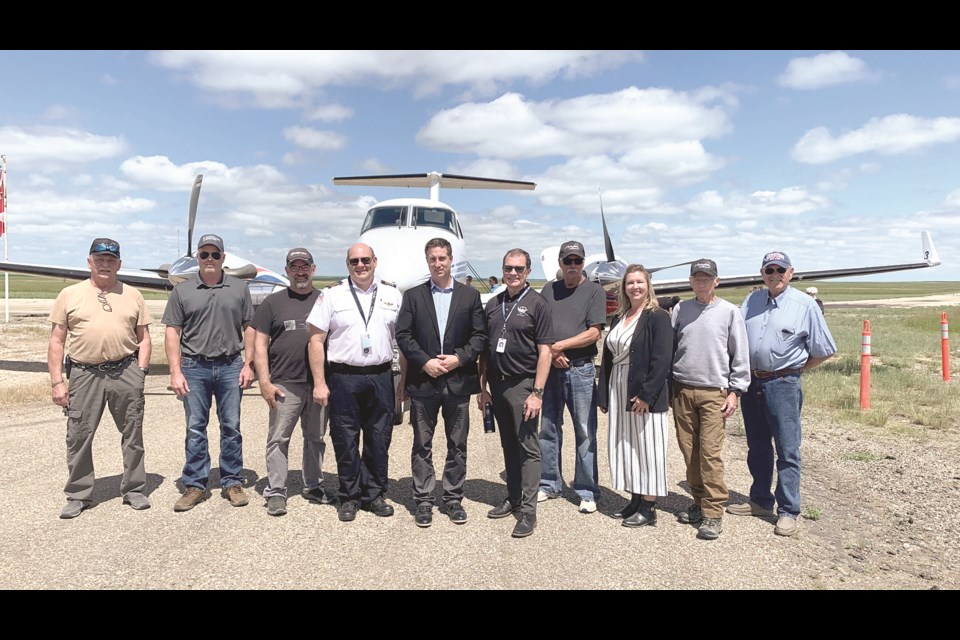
399	229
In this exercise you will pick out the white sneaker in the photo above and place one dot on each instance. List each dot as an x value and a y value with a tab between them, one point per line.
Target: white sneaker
587	506
543	496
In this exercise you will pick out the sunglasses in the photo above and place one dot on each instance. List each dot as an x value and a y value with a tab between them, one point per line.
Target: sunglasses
102	299
216	255
113	247
355	261
507	268
772	270
572	260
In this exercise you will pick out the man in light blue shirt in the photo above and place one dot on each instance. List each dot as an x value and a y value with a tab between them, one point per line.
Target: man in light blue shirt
787	335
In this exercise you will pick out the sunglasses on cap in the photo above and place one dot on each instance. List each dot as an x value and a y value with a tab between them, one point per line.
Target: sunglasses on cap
573	260
507	268
112	247
216	255
355	261
772	270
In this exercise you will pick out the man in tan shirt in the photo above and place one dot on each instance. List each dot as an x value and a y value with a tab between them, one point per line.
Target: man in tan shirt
103	325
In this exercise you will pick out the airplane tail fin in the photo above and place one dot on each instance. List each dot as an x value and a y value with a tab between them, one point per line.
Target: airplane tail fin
930	255
607	244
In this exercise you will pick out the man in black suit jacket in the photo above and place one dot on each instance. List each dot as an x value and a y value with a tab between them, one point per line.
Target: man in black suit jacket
441	331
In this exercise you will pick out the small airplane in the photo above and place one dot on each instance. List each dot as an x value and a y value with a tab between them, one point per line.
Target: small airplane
260	280
398	229
607	269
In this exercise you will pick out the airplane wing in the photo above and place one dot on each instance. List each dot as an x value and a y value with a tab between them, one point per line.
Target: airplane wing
930	259
427	180
142	279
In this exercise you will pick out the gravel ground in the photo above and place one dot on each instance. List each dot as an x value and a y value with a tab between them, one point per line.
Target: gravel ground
887	511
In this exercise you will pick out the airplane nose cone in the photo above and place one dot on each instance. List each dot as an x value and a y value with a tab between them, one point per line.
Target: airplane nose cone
181	269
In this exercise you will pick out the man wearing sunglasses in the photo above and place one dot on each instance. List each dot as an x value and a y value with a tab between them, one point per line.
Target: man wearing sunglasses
516	364
104	325
286	383
206	317
351	332
787	335
579	310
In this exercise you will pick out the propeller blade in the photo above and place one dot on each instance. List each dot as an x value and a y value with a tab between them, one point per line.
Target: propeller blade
607	245
245	272
192	218
670	266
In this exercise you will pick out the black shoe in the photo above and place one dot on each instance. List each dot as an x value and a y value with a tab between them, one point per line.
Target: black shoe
378	507
693	515
525	526
456	512
347	511
647	515
424	516
502	511
630	508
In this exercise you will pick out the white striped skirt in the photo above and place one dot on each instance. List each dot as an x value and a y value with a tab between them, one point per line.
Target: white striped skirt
637	442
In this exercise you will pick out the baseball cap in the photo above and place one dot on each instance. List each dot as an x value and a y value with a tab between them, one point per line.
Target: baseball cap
572	248
210	238
778	258
105	245
299	254
704	265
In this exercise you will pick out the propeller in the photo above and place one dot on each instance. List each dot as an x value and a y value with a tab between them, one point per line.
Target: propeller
192	219
607	244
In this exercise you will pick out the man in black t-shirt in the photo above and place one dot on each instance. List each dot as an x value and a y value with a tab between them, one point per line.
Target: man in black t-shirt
286	383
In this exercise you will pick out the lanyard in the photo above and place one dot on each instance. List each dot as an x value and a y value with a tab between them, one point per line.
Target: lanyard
506	316
373	300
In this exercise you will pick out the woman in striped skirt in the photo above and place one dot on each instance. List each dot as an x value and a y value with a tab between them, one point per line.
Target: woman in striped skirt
633	388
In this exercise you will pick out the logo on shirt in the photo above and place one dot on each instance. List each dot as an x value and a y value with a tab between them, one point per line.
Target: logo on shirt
522	311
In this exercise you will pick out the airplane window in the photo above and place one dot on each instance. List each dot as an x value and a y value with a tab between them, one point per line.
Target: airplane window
383	217
433	217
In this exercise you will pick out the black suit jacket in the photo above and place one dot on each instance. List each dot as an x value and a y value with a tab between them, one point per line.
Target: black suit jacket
418	337
651	361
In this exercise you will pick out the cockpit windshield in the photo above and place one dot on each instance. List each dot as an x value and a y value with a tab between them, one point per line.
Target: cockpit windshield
436	217
380	217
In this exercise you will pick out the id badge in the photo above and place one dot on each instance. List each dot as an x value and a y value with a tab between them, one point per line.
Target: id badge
289	325
501	345
365	343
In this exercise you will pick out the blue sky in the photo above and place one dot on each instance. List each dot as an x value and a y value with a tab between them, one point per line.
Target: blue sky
838	158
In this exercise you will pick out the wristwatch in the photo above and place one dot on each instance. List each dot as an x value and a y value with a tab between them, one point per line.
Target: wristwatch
736	392
146	370
538	391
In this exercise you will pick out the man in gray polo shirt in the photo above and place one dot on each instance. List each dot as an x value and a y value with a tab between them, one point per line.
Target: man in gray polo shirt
206	316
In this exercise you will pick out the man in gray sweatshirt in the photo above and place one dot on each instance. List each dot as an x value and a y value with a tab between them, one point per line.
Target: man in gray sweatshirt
711	368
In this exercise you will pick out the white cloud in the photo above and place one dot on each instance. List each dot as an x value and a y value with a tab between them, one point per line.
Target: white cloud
952	201
823	70
282	79
890	135
309	138
56	148
330	113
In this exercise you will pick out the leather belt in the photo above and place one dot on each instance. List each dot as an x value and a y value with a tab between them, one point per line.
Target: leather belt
213	359
576	362
339	367
762	375
112	365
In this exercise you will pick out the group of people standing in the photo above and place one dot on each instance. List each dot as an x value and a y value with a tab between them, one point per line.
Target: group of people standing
327	356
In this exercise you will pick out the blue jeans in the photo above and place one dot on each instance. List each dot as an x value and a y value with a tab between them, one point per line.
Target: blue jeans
576	389
771	411
207	380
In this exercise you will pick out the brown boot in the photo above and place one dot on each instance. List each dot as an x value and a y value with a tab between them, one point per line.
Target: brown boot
236	495
190	498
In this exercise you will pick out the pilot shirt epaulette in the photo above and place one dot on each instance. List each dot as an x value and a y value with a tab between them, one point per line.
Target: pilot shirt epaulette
388	283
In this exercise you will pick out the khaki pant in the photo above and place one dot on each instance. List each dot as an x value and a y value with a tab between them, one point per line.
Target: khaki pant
699	423
91	390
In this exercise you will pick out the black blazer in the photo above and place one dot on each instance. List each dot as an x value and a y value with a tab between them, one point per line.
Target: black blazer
418	338
651	361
